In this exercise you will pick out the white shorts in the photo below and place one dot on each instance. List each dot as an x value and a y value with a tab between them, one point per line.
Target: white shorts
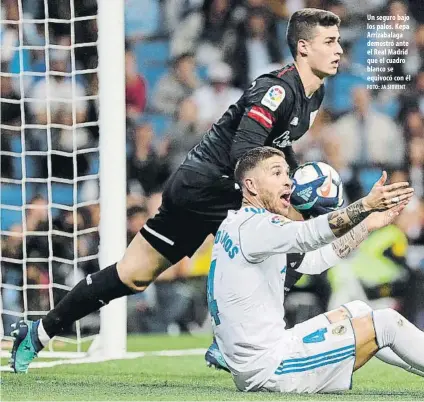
317	357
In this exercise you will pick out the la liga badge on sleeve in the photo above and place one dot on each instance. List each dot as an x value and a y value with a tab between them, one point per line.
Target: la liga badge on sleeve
273	98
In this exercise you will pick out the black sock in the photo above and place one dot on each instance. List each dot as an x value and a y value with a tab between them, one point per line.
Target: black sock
88	295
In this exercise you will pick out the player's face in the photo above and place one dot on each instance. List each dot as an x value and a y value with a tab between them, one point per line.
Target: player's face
275	185
324	51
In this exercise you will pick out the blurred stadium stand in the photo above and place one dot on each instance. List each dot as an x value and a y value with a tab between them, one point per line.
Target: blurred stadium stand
157	34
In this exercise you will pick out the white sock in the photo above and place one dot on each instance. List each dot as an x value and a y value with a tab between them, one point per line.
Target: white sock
401	336
359	308
387	355
42	334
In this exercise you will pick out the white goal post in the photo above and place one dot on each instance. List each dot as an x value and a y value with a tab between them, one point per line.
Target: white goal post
113	218
111	342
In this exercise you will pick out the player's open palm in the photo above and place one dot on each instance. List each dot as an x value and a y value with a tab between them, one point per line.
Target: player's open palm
378	220
383	197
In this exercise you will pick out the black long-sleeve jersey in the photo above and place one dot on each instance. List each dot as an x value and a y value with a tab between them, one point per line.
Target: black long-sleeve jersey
273	111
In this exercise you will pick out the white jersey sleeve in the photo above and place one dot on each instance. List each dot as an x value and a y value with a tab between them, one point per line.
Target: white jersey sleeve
318	261
264	235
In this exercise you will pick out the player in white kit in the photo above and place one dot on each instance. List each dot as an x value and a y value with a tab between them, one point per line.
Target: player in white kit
246	286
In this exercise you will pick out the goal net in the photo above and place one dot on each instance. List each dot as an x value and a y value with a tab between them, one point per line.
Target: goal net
62	161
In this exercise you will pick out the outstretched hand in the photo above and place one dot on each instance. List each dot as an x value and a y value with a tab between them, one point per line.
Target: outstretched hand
383	197
378	220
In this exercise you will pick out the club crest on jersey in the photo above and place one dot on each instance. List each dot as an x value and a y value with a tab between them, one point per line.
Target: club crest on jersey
277	220
273	97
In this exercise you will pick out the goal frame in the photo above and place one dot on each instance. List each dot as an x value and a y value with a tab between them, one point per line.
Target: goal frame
112	150
111	341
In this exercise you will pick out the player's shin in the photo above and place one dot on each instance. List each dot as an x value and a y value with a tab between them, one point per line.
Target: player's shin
90	294
402	337
358	308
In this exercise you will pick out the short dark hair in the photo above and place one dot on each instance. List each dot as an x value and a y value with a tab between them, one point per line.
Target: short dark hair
251	159
303	22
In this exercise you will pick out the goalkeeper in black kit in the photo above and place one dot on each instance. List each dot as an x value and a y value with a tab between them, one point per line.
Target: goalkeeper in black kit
277	109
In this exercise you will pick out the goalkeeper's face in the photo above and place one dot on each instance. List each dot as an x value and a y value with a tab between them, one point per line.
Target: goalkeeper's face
323	51
273	185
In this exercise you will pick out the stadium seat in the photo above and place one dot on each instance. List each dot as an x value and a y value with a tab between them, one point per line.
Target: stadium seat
152	51
202	72
338	92
17	167
359	50
142	17
11	194
161	124
62	193
15	144
152	74
30	167
10	218
94	164
367	178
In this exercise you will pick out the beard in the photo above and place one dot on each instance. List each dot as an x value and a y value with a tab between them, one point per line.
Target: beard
271	203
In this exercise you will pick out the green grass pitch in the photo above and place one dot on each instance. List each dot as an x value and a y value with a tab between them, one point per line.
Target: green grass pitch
184	378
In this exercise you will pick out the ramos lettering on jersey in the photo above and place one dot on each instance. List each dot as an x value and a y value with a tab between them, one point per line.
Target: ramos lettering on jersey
227	243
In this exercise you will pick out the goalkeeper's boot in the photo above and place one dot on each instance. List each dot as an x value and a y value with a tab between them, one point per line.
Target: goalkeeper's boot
25	346
214	358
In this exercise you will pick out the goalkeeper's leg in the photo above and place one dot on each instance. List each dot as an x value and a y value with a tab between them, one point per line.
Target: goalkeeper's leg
140	265
359	308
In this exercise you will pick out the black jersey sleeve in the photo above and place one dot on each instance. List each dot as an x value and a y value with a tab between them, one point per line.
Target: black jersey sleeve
267	101
291	158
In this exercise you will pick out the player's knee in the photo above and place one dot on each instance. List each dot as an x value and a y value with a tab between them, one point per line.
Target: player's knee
140	265
353	309
339	314
140	277
357	308
387	322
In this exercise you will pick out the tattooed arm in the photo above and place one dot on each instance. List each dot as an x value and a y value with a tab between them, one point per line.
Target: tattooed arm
343	220
317	261
381	198
351	240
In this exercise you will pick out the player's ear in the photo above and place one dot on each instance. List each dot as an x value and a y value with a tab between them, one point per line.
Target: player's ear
249	184
302	47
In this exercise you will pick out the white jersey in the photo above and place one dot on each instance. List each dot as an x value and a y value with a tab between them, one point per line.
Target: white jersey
246	286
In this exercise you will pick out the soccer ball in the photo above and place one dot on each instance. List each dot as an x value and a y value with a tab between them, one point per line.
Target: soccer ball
317	189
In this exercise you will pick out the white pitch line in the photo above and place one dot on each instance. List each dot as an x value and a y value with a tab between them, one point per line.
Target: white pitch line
127	356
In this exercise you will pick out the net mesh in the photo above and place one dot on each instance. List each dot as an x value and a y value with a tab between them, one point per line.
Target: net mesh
49	157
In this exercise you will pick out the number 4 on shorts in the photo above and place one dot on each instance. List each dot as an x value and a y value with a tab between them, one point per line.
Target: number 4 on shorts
315	337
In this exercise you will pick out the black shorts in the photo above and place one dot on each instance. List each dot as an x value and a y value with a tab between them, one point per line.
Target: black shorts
193	205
